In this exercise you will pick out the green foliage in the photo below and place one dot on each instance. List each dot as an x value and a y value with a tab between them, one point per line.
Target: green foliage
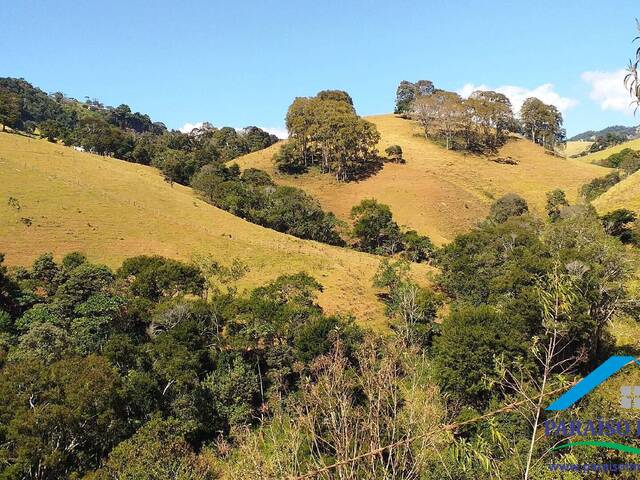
407	92
394	153
465	351
374	228
234	388
156	451
605	141
254	197
627	160
556	201
325	131
10	110
417	248
44	342
596	187
621	223
73	260
9	291
542	123
411	308
479	123
509	205
336	95
121	133
154	277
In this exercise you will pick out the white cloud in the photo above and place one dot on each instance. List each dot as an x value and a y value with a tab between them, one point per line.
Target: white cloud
608	90
518	95
187	127
280	132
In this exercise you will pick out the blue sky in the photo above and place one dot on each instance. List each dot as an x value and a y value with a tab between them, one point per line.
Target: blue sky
242	63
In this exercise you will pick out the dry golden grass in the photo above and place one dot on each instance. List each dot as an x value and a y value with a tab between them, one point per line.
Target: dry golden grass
576	147
625	194
112	209
440	193
601	155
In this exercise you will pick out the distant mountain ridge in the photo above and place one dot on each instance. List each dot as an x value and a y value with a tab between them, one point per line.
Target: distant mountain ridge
628	132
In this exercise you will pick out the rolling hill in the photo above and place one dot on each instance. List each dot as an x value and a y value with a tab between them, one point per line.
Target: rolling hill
575	147
63	200
602	154
440	193
625	194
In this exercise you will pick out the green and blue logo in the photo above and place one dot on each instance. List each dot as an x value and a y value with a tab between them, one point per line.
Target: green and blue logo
629	398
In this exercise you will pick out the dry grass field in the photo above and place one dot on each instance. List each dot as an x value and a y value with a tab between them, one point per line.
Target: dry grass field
440	193
110	209
575	147
594	157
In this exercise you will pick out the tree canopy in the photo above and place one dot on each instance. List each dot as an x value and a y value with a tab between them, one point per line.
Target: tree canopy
326	132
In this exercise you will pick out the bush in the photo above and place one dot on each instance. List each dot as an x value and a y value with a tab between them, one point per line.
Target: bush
374	228
620	223
465	350
598	186
510	205
417	248
394	153
556	201
627	160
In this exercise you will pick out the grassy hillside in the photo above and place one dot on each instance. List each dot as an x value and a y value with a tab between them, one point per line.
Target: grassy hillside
111	210
593	157
438	192
625	194
576	147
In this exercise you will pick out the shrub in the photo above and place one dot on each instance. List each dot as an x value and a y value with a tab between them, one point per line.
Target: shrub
510	205
598	186
471	337
394	153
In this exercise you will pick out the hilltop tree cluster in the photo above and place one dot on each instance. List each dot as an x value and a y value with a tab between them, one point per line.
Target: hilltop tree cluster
542	123
121	133
407	93
326	132
480	123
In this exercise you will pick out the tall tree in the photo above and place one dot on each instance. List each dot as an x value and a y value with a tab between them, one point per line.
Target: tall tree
542	123
10	108
407	93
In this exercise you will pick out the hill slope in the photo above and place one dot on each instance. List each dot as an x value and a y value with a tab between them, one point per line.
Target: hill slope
438	192
112	209
625	194
602	154
575	147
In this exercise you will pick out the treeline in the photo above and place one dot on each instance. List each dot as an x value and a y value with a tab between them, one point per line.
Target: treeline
252	195
480	123
326	132
121	133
